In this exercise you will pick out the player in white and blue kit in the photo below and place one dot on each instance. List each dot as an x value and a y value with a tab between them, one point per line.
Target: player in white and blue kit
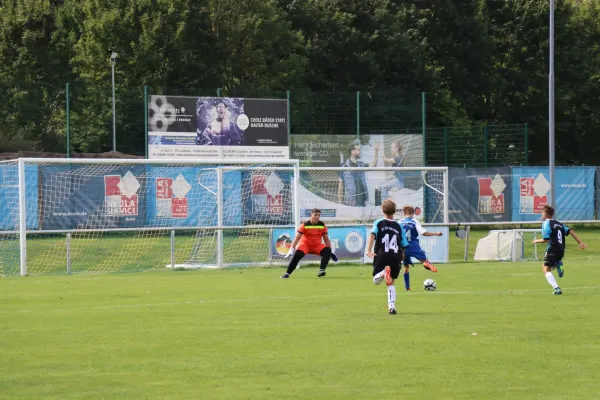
413	230
555	234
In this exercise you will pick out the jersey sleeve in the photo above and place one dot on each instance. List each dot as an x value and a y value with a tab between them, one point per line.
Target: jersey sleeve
546	230
325	231
419	228
567	230
375	230
301	229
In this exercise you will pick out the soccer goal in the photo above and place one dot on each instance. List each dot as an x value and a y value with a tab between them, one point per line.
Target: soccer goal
92	216
353	195
509	245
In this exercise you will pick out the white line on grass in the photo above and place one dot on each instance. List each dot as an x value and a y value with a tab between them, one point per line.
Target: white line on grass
192	302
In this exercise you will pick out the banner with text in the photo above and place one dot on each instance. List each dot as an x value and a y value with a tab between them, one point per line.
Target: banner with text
217	128
356	196
574	193
480	194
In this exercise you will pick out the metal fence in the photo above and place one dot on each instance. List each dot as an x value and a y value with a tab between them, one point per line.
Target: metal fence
77	118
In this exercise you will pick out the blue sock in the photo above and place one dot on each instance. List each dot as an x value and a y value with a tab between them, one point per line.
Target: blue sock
406	280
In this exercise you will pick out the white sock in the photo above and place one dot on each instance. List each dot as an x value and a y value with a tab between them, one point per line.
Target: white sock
391	296
378	278
551	280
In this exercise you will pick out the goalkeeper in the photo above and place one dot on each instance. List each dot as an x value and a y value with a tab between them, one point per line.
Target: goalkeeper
311	238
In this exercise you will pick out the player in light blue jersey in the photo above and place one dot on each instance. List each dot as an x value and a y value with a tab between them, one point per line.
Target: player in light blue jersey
413	229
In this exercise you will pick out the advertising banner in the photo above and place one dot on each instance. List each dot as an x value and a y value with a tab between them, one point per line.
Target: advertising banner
347	243
9	196
480	194
268	197
353	197
597	193
574	193
217	128
435	247
85	199
187	196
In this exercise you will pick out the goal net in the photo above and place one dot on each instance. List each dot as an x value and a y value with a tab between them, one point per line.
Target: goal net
103	216
353	195
509	245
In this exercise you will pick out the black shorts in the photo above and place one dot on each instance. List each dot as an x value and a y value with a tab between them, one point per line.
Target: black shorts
551	258
393	261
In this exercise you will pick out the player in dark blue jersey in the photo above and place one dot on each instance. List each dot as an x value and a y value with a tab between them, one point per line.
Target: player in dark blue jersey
413	229
555	234
389	240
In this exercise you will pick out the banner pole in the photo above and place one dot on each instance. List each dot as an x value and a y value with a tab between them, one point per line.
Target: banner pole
289	117
146	119
358	114
68	119
526	146
423	122
446	146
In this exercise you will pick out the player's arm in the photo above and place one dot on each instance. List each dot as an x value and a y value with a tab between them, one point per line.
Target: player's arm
427	233
370	243
326	240
571	232
376	146
423	232
546	232
297	238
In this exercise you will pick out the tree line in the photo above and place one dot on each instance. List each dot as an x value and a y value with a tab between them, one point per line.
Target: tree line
479	61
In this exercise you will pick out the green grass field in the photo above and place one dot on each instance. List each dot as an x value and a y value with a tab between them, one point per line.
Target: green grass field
246	334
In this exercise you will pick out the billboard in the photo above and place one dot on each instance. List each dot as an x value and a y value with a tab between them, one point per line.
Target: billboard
9	196
76	196
347	243
574	193
480	194
217	128
353	197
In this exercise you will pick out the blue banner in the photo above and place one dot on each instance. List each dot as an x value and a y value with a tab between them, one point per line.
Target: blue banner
574	193
76	196
268	197
480	194
347	243
9	196
187	196
597	192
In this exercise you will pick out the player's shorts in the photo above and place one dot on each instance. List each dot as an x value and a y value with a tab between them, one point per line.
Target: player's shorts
393	261
311	249
551	258
414	252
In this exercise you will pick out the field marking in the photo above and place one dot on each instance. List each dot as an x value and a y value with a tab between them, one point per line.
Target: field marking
269	298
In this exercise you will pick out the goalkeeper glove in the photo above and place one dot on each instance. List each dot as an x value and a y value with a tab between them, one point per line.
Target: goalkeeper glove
290	252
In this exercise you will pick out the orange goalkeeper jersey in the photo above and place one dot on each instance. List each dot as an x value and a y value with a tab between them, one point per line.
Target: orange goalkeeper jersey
312	234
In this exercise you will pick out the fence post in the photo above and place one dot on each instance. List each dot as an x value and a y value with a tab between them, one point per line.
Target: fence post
358	114
218	92
146	119
68	118
485	145
423	122
446	146
526	146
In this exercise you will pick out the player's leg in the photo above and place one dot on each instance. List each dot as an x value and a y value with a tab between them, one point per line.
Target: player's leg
549	264
325	253
298	255
406	276
420	255
378	272
560	267
391	274
429	266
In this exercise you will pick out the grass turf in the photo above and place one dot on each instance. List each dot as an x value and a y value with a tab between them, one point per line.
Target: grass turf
245	333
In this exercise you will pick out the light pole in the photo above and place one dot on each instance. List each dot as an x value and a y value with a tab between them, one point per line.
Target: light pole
551	150
113	60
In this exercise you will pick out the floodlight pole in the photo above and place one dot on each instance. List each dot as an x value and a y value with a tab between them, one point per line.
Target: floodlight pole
551	153
113	59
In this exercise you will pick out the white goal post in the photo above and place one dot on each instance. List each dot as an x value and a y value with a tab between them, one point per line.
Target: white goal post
98	216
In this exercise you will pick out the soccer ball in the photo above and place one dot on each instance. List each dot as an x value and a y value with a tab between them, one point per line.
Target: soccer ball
429	285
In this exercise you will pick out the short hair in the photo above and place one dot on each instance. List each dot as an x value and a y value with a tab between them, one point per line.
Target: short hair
398	144
408	210
315	210
388	207
353	145
548	211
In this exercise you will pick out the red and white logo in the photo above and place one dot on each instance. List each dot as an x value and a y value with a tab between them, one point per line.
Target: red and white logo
120	194
491	198
533	193
170	197
266	194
